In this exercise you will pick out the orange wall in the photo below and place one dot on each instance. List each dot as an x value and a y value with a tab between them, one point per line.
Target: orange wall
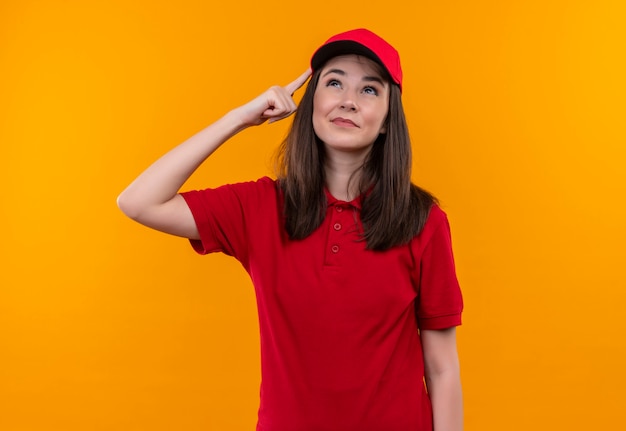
517	115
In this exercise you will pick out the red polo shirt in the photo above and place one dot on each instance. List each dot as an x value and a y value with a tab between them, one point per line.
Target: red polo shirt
340	347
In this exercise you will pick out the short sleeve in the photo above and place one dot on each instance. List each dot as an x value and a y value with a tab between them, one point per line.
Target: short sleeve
439	302
224	216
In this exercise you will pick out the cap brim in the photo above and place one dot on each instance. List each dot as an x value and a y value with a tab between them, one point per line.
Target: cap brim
342	47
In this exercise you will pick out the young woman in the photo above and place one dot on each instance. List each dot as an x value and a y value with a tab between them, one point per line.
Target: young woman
352	264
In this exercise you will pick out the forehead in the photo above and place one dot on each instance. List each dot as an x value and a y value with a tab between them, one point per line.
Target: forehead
355	64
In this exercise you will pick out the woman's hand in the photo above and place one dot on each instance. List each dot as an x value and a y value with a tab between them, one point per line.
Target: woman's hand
274	104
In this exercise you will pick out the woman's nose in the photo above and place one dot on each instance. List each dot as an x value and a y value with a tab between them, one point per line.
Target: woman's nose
348	104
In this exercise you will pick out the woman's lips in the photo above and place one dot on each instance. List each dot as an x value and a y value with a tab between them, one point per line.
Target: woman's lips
343	122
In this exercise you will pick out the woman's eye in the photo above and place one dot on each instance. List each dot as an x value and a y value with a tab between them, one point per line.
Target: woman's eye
370	90
333	83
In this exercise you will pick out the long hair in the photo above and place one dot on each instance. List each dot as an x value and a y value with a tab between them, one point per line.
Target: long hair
393	210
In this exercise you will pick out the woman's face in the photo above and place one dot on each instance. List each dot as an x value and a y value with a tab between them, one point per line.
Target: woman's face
350	104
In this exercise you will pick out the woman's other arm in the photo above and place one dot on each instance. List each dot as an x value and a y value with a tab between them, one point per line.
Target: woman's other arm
443	378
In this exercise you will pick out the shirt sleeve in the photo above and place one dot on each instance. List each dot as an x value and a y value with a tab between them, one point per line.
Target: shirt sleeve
439	302
224	216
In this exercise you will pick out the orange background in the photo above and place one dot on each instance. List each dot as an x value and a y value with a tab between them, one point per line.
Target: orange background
517	113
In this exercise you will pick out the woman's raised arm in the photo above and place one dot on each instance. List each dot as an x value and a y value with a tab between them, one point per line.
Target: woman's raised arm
152	199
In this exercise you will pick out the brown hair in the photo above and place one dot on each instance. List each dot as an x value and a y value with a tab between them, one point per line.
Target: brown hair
393	210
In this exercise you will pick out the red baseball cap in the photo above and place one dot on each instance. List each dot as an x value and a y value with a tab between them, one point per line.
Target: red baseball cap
361	42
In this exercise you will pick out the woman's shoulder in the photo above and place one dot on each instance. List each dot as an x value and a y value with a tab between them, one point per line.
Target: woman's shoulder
251	192
435	229
436	215
437	219
259	182
260	185
267	181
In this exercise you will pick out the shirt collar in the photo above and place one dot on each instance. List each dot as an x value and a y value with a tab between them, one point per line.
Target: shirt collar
333	201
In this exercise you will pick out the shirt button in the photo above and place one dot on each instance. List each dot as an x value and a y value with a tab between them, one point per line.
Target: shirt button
337	226
339	208
334	248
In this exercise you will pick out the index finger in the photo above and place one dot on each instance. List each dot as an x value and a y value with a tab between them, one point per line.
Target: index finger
299	82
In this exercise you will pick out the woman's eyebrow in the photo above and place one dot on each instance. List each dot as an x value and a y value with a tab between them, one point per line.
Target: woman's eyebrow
337	71
365	78
373	79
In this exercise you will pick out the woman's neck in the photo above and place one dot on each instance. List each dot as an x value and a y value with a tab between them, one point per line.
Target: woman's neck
343	174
